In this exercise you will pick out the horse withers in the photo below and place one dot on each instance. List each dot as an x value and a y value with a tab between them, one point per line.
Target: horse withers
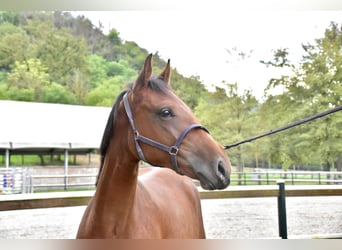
149	122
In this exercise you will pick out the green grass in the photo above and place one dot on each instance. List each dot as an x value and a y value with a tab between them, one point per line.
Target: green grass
34	160
27	160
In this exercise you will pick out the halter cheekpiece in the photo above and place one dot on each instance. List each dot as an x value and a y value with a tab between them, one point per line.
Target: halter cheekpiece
172	150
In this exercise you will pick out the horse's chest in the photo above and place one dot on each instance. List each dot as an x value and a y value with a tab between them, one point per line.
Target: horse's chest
162	218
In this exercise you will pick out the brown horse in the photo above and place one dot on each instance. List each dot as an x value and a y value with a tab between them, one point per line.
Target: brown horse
157	202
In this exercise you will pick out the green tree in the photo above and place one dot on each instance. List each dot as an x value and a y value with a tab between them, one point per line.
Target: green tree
314	86
20	94
280	59
105	94
189	89
56	93
121	68
78	85
230	117
134	55
114	37
322	75
77	56
98	68
9	17
58	49
102	70
211	112
30	76
14	45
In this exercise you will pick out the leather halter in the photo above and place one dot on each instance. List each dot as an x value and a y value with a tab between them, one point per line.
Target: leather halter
172	150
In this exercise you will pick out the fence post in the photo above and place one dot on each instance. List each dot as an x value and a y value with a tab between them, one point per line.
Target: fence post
66	170
282	210
31	184
7	158
23	178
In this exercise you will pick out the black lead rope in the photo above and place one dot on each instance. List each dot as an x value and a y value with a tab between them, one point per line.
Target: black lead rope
291	125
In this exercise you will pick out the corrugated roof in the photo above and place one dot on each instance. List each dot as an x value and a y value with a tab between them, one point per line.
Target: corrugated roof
28	126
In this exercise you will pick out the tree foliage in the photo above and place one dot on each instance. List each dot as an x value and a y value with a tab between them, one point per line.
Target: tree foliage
230	117
314	86
56	57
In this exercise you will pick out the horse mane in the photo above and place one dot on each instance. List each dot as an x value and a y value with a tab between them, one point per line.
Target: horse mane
156	84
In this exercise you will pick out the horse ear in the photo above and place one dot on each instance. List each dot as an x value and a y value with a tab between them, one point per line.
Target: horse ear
145	73
166	74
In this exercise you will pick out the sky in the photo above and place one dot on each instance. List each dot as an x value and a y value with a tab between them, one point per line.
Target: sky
197	41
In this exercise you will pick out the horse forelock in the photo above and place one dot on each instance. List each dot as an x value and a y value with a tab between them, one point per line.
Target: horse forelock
158	84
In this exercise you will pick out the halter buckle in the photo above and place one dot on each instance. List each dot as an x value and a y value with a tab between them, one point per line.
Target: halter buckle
136	134
173	150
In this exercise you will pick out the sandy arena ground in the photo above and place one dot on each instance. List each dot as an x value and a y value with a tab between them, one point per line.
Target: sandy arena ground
223	219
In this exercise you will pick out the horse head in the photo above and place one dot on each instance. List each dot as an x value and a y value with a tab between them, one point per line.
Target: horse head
166	133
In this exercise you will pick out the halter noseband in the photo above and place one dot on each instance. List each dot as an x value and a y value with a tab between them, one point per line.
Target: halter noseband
172	150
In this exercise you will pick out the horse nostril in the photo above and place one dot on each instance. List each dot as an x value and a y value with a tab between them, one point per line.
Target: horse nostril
221	169
222	174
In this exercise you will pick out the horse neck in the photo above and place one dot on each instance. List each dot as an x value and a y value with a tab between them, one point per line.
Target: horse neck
118	181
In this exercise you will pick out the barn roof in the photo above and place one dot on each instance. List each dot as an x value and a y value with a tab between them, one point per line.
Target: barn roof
30	128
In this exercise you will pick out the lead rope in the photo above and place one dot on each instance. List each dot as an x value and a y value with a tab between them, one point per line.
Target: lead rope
294	124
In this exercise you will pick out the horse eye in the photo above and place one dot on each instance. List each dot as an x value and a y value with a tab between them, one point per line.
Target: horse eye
166	113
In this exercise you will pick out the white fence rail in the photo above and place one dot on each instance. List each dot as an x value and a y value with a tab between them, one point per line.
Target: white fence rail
268	177
20	180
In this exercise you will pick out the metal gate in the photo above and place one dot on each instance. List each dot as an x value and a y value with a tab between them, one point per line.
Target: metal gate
12	180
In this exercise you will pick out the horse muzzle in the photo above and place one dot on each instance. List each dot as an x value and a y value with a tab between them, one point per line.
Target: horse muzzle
218	179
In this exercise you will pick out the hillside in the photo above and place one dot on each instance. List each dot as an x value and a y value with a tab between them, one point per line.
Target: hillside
56	57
